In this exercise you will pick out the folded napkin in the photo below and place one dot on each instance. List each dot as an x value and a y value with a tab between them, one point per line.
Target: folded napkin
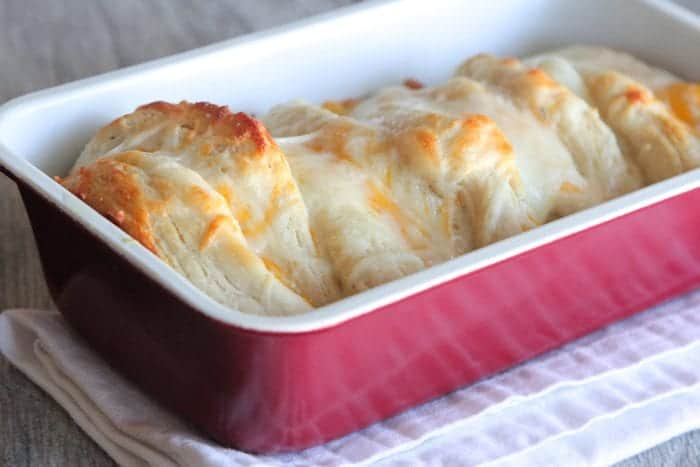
593	402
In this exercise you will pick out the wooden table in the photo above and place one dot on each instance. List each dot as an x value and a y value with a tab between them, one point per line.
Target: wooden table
44	43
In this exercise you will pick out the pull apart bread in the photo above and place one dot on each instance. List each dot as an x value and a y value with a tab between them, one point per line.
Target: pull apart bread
654	115
356	193
250	191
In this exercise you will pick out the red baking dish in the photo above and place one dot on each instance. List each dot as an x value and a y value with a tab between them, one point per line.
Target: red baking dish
270	384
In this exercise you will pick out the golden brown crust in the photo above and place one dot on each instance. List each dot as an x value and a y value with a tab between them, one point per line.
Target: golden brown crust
414	84
481	127
202	127
112	188
201	116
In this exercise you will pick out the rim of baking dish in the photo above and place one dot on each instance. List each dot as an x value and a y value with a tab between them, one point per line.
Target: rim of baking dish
347	308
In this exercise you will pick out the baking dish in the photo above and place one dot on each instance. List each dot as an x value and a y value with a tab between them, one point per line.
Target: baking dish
272	384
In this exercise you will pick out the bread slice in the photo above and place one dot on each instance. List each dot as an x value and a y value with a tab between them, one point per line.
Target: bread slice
236	156
176	214
370	238
589	141
651	131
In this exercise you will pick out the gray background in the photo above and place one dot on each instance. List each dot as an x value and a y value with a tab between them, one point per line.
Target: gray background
44	43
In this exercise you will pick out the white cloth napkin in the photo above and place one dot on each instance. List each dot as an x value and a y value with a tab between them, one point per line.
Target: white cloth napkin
593	402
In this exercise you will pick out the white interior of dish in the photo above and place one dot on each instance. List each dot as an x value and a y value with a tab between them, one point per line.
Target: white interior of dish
342	54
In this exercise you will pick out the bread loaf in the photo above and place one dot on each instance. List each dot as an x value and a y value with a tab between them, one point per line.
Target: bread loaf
318	202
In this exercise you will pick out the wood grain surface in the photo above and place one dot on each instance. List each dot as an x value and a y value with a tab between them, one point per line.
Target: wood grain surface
44	43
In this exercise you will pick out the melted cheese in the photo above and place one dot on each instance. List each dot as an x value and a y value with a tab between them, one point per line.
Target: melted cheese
366	246
684	101
542	160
